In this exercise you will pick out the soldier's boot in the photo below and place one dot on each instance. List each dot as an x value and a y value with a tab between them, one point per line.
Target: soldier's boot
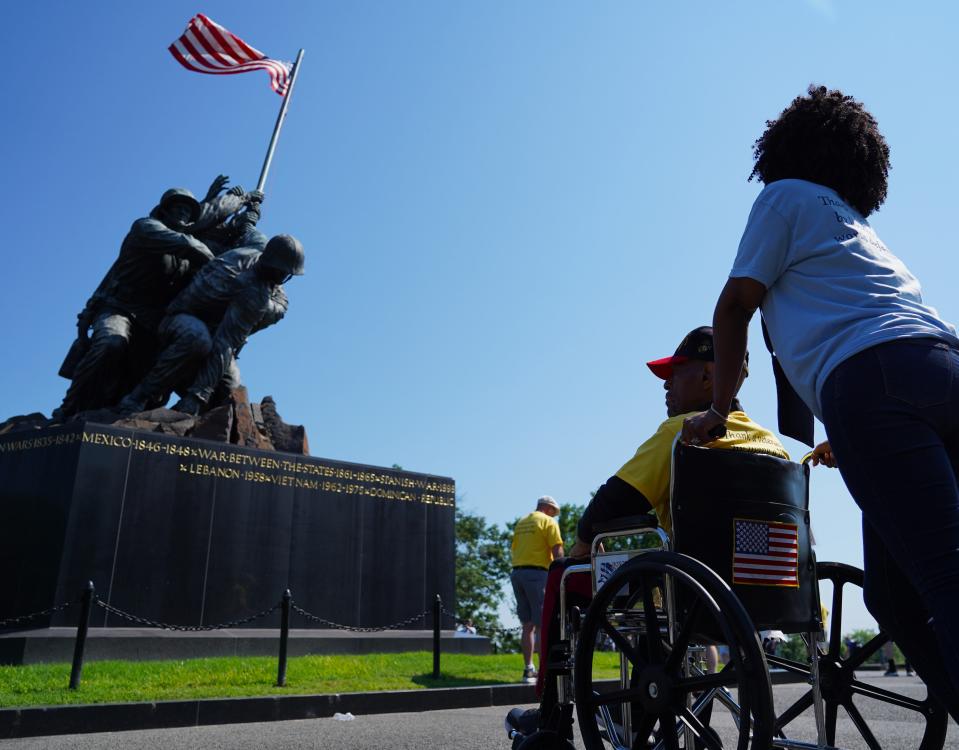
134	402
189	404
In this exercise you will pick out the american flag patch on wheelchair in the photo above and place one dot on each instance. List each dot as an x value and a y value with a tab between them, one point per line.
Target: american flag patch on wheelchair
766	553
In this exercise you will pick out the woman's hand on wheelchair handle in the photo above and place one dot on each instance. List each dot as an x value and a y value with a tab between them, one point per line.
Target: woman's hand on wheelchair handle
697	428
822	454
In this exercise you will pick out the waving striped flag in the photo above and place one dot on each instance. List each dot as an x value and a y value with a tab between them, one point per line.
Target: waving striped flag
206	47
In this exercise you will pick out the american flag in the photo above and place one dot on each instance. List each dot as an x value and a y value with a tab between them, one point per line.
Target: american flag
206	47
766	553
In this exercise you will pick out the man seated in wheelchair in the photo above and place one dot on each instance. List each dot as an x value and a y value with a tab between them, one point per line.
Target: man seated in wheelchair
642	485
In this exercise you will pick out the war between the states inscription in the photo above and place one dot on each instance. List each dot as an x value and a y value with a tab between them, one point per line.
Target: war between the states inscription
312	474
191	532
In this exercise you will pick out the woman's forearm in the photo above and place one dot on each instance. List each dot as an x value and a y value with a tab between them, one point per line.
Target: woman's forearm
734	309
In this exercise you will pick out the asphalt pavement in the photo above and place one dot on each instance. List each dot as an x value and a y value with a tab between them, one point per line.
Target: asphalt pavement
461	729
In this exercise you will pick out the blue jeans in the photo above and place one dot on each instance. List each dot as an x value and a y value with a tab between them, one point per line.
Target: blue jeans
892	416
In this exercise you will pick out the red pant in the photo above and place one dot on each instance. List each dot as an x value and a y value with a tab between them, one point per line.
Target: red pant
579	591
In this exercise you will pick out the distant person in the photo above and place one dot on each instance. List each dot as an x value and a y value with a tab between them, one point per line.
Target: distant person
852	647
536	543
772	641
864	352
889	658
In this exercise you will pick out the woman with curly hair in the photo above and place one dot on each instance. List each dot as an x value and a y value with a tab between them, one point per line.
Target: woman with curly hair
877	365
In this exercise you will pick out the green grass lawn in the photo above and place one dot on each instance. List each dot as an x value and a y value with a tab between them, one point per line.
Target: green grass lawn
131	681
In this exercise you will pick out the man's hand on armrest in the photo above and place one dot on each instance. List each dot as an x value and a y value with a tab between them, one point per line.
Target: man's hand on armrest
581	549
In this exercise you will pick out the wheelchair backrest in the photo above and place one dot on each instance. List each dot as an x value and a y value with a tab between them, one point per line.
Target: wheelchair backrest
746	516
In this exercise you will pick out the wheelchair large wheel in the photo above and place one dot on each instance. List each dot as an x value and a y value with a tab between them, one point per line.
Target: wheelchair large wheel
664	695
838	681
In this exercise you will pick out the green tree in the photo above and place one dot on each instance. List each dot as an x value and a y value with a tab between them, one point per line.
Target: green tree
569	515
795	648
482	571
568	519
863	636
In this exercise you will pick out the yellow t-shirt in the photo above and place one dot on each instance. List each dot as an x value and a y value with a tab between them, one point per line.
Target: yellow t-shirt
648	471
533	540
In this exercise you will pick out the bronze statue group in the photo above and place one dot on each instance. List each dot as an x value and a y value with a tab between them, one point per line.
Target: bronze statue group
192	282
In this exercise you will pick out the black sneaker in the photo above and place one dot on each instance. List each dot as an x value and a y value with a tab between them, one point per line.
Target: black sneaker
529	674
524	722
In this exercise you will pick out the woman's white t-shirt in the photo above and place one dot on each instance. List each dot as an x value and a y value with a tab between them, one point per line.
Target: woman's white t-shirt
833	288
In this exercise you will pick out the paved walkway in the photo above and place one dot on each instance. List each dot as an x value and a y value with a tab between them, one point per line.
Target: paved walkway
463	729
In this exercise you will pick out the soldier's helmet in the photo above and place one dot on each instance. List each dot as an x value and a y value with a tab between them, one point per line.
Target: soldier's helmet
285	254
181	195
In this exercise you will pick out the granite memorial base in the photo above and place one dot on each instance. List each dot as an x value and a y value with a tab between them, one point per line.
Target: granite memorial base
191	532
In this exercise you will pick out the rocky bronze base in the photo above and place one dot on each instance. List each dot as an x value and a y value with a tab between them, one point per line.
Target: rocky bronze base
237	422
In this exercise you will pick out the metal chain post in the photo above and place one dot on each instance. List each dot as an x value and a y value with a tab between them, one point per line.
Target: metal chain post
284	638
437	608
83	624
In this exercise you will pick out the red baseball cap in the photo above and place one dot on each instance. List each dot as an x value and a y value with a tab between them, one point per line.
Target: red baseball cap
698	344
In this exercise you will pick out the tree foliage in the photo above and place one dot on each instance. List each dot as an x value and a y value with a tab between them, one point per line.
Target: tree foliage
568	518
795	648
482	572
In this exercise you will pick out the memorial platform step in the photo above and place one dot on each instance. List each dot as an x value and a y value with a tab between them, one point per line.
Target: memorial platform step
47	645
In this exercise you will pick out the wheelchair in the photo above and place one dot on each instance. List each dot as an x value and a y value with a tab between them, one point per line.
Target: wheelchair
739	561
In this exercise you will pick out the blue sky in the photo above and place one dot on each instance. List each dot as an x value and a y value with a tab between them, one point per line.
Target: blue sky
507	207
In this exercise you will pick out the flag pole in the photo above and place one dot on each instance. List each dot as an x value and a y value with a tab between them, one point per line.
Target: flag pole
279	122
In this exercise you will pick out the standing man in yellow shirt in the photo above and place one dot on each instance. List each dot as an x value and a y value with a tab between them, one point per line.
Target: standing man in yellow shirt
536	543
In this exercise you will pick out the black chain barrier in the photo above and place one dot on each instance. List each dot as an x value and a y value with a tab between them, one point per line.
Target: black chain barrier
34	615
354	629
185	628
449	614
89	597
506	631
503	631
236	623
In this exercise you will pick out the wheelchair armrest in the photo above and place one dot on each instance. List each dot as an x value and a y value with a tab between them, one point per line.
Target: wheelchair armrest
626	522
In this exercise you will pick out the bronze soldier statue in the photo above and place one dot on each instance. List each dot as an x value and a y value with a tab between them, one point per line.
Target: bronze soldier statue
231	297
157	258
229	220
